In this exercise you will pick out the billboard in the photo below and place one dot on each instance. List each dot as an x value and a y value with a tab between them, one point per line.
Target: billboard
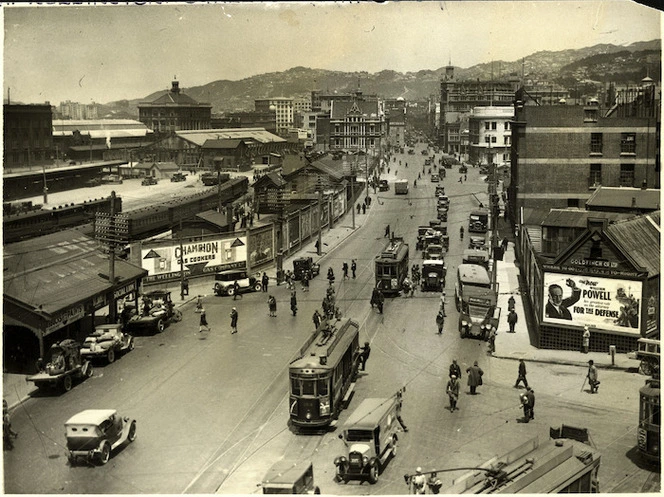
604	303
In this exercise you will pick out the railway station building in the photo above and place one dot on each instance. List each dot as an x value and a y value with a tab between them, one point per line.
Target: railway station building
54	287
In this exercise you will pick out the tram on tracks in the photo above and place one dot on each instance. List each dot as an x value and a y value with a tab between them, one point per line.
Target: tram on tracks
391	266
322	377
648	436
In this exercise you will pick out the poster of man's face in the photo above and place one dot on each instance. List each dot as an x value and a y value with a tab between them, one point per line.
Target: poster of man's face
604	303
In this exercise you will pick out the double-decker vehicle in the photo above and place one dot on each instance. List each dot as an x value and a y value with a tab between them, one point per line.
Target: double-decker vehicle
649	420
401	187
392	266
478	221
322	378
476	301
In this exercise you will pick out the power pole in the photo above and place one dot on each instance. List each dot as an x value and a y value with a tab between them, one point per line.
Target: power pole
320	223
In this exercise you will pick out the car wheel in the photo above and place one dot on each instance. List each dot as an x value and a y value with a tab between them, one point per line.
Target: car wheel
258	287
230	291
104	452
373	474
66	383
87	369
160	326
110	356
131	344
132	432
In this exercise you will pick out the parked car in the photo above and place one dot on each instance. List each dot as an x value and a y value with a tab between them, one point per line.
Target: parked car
383	185
93	182
433	275
156	312
177	177
63	364
463	169
224	282
106	341
435	178
149	180
434	251
290	476
305	264
92	434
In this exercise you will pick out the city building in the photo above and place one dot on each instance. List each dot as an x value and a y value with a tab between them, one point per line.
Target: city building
173	111
561	154
395	120
282	106
356	126
27	135
458	98
76	110
100	139
489	135
248	119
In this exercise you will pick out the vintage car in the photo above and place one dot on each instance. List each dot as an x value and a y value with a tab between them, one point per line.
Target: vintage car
92	434
149	180
435	178
106	341
290	476
433	275
434	251
224	282
370	436
177	177
463	169
440	190
477	242
305	264
157	310
383	185
63	366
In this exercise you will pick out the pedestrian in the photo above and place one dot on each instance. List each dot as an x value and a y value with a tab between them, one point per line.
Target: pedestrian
452	390
419	482
203	322
474	377
399	406
592	376
460	179
199	303
530	394
236	289
293	303
465	177
344	268
387	231
305	281
492	341
440	321
234	317
512	318
364	207
381	301
317	245
272	306
264	281
586	339
522	375
289	279
511	303
523	399
185	287
358	208
353	267
316	318
330	275
7	432
364	355
434	483
455	369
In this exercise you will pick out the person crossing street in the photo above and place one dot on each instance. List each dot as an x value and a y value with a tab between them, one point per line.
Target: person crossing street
234	316
522	375
452	391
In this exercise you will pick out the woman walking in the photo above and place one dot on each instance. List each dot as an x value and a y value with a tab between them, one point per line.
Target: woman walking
234	317
203	322
272	305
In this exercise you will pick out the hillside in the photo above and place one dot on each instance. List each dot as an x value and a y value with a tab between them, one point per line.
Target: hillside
604	63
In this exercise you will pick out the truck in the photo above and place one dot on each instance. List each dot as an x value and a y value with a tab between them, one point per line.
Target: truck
475	300
65	364
401	187
290	476
433	275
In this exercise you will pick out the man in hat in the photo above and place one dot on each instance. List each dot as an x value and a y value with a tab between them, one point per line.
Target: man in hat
419	482
530	394
592	376
453	392
364	354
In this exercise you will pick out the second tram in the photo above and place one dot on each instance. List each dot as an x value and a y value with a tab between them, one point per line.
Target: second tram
649	420
323	376
392	266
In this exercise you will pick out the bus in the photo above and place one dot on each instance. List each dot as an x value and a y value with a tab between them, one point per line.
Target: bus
476	300
322	377
401	187
478	221
649	420
391	266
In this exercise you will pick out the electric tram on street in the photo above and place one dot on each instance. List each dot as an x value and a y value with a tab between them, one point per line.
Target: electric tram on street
323	376
392	266
649	420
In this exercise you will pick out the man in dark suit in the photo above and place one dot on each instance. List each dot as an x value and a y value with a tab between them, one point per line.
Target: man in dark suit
557	307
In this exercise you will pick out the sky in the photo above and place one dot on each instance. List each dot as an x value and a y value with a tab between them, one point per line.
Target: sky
92	53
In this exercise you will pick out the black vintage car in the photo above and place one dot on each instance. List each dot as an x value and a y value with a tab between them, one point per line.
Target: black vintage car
305	265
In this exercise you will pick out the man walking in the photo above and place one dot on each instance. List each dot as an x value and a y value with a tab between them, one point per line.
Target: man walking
387	231
344	268
264	281
474	377
592	376
234	317
236	289
293	303
512	318
455	370
364	355
453	392
522	375
353	267
530	394
316	318
492	341
203	322
440	321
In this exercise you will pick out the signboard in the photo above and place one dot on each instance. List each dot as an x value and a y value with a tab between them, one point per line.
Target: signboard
604	303
63	318
208	255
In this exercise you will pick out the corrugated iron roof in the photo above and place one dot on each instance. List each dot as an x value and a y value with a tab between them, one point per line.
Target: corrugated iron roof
214	217
576	218
624	197
199	137
223	143
58	270
329	166
640	240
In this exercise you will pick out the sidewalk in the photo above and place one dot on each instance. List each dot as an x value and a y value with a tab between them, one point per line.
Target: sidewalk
512	346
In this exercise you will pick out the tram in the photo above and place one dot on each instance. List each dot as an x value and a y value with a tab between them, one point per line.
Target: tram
392	266
323	376
649	420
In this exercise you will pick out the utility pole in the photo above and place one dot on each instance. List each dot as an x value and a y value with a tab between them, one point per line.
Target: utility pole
181	263
320	223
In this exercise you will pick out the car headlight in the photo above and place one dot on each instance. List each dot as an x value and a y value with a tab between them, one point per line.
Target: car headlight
464	323
365	460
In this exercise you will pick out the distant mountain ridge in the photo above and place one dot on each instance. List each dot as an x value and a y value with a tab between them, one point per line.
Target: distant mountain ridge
602	62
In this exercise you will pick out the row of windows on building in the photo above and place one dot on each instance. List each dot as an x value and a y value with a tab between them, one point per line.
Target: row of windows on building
627	143
626	176
353	141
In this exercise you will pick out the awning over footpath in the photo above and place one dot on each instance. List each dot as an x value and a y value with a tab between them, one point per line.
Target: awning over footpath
53	280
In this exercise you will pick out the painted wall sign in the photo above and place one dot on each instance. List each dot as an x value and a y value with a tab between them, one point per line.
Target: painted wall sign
63	318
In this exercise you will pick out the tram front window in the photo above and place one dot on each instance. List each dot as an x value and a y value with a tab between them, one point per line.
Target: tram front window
295	386
308	387
322	387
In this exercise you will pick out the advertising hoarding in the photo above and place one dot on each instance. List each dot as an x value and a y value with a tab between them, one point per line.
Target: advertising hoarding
603	303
